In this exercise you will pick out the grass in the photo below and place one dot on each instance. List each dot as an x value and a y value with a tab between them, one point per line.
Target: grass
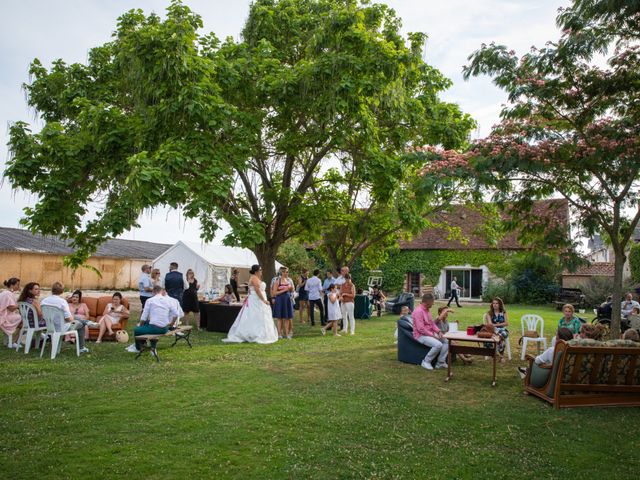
314	407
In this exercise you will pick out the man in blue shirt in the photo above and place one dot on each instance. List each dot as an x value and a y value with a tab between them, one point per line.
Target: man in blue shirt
145	285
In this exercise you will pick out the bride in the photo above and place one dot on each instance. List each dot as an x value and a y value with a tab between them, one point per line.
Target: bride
254	323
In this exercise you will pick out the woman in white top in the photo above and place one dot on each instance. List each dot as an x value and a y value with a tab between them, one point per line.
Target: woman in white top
112	314
334	313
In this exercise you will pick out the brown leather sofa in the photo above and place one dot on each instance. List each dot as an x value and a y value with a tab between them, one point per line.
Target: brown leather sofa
96	309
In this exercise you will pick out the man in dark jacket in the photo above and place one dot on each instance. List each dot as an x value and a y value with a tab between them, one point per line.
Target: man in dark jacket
174	282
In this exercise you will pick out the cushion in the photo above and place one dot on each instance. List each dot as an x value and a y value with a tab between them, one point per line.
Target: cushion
92	303
585	342
621	343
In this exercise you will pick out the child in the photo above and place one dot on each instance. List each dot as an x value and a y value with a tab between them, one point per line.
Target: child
405	314
334	314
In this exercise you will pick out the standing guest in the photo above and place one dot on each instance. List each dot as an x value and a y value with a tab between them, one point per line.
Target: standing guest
333	311
628	304
497	316
174	282
313	287
569	319
283	309
454	292
328	280
155	277
145	285
112	314
303	296
190	299
10	318
339	281
234	284
427	332
227	296
159	313
378	299
347	297
56	300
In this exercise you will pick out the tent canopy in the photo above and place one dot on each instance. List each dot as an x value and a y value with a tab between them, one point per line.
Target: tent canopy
212	264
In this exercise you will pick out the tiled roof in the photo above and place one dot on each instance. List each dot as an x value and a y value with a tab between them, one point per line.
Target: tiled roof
469	222
596	269
18	240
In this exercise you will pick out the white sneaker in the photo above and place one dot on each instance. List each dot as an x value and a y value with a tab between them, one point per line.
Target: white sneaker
442	365
427	365
132	348
289	337
84	350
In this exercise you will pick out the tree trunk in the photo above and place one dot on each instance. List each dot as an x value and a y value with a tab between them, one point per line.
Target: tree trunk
620	259
266	254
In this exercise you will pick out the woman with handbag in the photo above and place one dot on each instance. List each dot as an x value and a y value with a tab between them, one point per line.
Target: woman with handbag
497	316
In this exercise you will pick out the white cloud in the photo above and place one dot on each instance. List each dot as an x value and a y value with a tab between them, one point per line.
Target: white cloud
67	29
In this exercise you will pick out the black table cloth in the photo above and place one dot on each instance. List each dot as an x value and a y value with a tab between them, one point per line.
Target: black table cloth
218	317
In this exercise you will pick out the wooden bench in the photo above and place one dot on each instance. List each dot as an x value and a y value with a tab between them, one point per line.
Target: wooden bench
571	296
599	374
179	333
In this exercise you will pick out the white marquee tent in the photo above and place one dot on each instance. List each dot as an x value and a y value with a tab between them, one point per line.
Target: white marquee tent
212	264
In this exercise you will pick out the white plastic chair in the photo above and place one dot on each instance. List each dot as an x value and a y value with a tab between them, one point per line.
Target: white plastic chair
531	322
54	318
28	329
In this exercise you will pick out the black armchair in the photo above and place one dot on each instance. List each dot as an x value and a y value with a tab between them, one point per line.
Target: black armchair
393	305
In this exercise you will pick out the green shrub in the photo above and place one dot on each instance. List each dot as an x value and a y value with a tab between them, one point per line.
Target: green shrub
499	288
295	257
534	277
597	289
634	262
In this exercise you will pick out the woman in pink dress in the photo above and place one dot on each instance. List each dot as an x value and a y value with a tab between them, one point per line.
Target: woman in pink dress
10	318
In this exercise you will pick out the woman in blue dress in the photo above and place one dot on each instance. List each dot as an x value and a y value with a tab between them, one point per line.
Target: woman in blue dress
497	316
283	307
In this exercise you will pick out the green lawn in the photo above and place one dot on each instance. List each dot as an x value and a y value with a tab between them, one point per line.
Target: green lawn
313	407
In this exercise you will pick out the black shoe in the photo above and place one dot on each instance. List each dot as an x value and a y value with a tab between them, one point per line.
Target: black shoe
522	372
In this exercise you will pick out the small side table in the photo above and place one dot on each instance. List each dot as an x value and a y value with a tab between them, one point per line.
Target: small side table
459	343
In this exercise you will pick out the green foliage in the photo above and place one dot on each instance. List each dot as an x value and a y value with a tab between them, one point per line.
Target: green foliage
431	262
239	131
534	278
634	262
295	257
499	288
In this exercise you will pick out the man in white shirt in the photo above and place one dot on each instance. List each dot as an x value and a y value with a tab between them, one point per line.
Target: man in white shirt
56	300
454	292
158	315
628	305
145	285
546	357
314	287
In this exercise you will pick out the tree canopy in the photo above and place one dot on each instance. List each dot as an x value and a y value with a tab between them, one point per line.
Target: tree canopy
240	131
570	128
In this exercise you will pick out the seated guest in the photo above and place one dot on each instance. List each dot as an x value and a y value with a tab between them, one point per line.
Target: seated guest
569	319
158	315
546	357
633	320
79	310
593	332
442	321
497	316
56	300
405	314
606	308
228	296
113	312
632	335
10	318
378	299
427	332
627	305
30	294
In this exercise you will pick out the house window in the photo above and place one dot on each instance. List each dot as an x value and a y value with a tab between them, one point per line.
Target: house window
468	279
413	282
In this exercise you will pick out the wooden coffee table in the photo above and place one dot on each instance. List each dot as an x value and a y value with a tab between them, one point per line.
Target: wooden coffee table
459	342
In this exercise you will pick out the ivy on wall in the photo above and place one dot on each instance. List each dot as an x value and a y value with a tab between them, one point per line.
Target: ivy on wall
428	262
634	262
431	262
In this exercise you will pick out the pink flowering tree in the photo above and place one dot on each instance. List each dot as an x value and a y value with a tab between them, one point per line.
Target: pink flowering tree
570	128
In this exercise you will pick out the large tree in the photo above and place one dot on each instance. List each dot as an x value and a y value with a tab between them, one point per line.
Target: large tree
236	131
571	127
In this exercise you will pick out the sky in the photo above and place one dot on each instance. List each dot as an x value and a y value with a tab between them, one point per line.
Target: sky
68	29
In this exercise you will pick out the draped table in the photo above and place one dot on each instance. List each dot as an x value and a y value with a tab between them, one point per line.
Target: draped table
218	317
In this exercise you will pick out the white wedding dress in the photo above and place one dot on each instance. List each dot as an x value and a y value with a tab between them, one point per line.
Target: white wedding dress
254	323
